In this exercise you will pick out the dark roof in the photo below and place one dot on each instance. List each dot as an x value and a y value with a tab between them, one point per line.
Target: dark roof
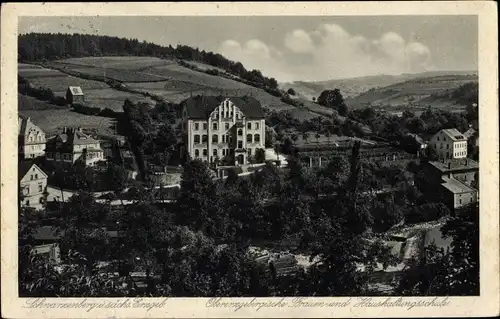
455	165
24	167
200	107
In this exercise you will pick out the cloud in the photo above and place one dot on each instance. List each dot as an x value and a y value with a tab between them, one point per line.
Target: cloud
330	52
299	41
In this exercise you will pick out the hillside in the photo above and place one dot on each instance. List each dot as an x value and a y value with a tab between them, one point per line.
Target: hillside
434	91
353	87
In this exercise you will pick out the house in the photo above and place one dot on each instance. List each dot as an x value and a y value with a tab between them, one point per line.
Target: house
418	140
472	137
32	184
457	194
74	94
464	170
449	143
226	130
73	145
49	252
32	140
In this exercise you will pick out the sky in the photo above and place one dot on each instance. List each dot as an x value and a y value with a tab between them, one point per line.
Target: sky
300	48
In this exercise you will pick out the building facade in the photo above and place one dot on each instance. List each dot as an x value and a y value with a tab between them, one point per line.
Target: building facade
74	94
457	194
465	170
223	130
73	145
449	143
32	139
32	184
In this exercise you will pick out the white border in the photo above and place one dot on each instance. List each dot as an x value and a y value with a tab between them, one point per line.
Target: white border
485	305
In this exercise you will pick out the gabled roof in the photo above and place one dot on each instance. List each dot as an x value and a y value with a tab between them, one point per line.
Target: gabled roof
25	167
456	164
454	134
470	133
417	138
70	137
200	107
75	90
25	125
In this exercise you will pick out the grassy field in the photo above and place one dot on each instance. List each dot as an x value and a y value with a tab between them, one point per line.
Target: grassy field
164	78
97	94
52	121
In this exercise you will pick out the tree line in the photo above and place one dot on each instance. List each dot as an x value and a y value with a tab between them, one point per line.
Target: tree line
34	47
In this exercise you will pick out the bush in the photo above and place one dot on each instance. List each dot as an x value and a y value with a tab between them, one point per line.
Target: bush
427	212
87	110
107	113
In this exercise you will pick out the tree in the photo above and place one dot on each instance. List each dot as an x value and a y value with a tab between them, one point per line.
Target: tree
333	99
317	137
305	136
291	91
260	155
198	198
450	272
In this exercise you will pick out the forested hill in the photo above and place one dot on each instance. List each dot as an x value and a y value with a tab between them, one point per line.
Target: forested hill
48	46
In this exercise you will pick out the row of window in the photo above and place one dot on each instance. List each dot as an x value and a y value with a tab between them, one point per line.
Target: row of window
68	157
225	138
215	126
215	152
460	154
38	138
27	189
27	202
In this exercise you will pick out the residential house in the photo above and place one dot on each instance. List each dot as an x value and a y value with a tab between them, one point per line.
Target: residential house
226	130
50	252
32	184
74	145
457	194
422	145
449	143
32	140
74	94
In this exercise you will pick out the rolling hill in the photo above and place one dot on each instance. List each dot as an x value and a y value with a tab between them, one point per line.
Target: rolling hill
393	91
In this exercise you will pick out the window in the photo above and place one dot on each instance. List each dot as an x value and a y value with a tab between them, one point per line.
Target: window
447	146
197	139
196	153
470	200
27	189
204	126
196	126
460	201
228	139
204	138
240	132
227	126
256	138
240	144
205	152
31	177
223	152
41	200
223	138
438	138
215	153
249	151
249	138
36	176
256	125
215	138
40	188
249	125
214	126
27	202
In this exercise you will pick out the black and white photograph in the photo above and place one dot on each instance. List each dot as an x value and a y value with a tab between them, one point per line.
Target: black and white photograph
249	156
